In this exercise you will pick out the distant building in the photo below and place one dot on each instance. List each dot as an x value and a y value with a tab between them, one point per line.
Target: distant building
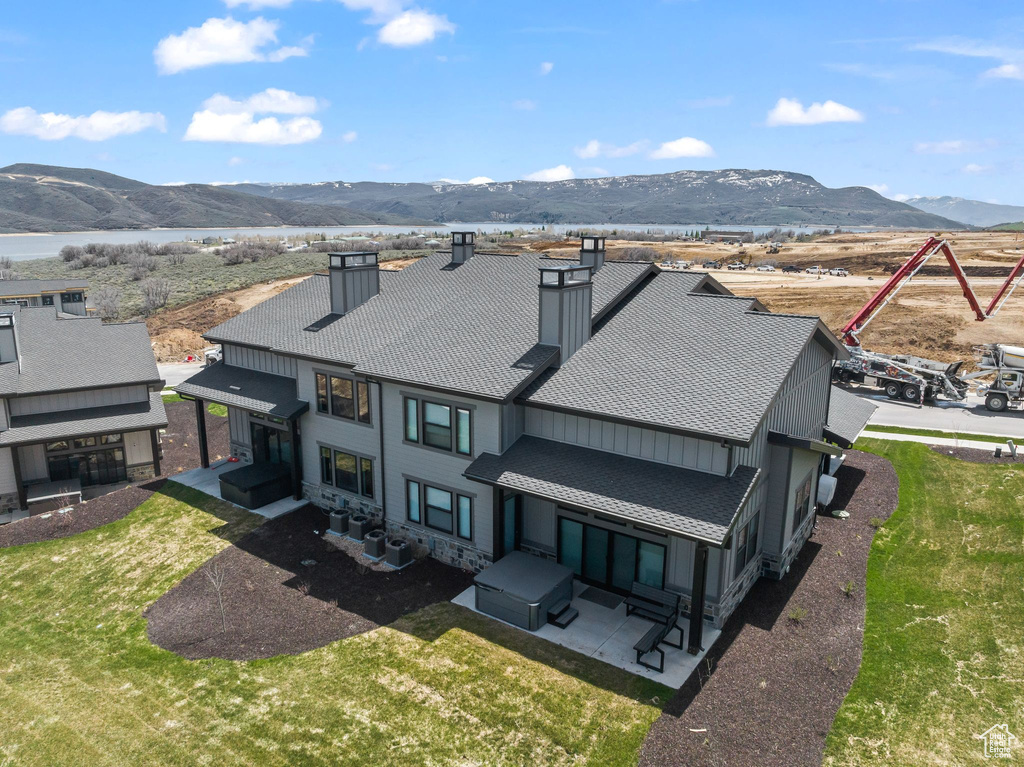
67	296
714	235
211	241
80	406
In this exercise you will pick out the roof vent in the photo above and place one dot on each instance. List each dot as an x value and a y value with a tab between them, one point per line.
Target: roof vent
462	246
592	252
355	279
566	305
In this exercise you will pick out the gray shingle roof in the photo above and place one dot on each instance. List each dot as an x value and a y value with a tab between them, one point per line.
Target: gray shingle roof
697	363
667	498
848	414
248	389
43	427
62	354
472	328
10	288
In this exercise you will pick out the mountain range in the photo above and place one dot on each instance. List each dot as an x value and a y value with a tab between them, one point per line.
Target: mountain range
973	212
43	198
740	197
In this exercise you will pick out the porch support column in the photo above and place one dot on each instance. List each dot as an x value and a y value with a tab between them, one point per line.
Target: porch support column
700	576
204	449
296	460
154	440
22	493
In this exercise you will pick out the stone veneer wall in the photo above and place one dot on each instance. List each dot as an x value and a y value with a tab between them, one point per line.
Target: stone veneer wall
241	452
775	566
142	472
9	502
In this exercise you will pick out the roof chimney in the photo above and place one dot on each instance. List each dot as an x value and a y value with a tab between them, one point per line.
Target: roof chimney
355	279
462	246
592	252
8	338
566	303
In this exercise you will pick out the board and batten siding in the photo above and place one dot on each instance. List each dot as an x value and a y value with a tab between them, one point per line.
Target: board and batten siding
437	467
259	359
138	448
238	426
637	442
76	400
4	421
801	409
8	484
33	463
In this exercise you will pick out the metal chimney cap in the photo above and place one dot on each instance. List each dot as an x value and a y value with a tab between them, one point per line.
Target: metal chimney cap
592	244
463	238
352	260
565	275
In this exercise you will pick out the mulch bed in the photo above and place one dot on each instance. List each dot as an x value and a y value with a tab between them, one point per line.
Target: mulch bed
771	685
975	455
181	452
273	604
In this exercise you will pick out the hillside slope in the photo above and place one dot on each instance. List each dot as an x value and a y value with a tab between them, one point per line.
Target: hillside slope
973	212
43	198
743	197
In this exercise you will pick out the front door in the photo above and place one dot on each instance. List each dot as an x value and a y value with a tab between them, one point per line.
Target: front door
608	558
270	445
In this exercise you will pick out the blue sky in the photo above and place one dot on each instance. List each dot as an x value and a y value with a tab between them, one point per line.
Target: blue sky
909	96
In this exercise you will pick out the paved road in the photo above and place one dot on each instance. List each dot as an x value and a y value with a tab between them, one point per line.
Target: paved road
176	372
969	416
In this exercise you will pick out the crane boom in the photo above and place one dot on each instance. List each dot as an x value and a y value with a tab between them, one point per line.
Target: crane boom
910	268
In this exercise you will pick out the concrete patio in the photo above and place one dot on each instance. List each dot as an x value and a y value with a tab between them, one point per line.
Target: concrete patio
608	635
208	481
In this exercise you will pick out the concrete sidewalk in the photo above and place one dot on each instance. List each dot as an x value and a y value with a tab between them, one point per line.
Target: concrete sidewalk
941	441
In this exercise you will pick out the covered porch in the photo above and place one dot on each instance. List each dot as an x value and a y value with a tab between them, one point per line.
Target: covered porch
269	411
628	529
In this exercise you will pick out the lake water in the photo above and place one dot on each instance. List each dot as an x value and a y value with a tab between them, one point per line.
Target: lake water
20	247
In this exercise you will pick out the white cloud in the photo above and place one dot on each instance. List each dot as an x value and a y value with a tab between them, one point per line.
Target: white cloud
558	173
904	197
975	168
1011	68
236	161
682	147
99	126
381	11
349	137
525	105
414	27
546	67
956	146
225	119
223	41
475	181
595	148
880	188
792	112
272	100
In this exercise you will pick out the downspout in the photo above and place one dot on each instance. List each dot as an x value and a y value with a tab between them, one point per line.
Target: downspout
383	479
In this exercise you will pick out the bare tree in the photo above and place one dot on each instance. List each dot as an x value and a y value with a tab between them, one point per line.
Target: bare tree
215	573
107	300
71	253
155	292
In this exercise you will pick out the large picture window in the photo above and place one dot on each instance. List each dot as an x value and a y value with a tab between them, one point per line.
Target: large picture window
95	460
746	545
440	426
346	471
342	399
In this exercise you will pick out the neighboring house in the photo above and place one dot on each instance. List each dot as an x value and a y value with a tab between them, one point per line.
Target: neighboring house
79	405
712	235
633	424
67	296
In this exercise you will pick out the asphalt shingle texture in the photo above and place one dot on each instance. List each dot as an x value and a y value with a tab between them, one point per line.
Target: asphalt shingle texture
42	427
472	328
61	354
848	414
36	287
669	357
247	389
675	500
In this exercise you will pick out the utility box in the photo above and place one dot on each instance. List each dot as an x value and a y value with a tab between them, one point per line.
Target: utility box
373	544
398	553
339	522
358	526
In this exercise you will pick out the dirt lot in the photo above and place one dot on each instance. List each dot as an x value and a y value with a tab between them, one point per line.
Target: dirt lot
930	317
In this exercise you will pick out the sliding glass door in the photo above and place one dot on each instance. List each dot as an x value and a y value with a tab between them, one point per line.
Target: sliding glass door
609	559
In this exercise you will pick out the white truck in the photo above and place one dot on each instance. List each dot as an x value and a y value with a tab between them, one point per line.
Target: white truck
1006	365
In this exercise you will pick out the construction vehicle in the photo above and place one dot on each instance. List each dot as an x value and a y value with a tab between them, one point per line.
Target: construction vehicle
1006	365
919	380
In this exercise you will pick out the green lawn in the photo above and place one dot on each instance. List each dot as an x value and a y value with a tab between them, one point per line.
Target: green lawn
963	436
81	684
944	635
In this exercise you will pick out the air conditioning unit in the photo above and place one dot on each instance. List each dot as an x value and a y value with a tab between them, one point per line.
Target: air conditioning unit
398	553
374	543
358	526
339	522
